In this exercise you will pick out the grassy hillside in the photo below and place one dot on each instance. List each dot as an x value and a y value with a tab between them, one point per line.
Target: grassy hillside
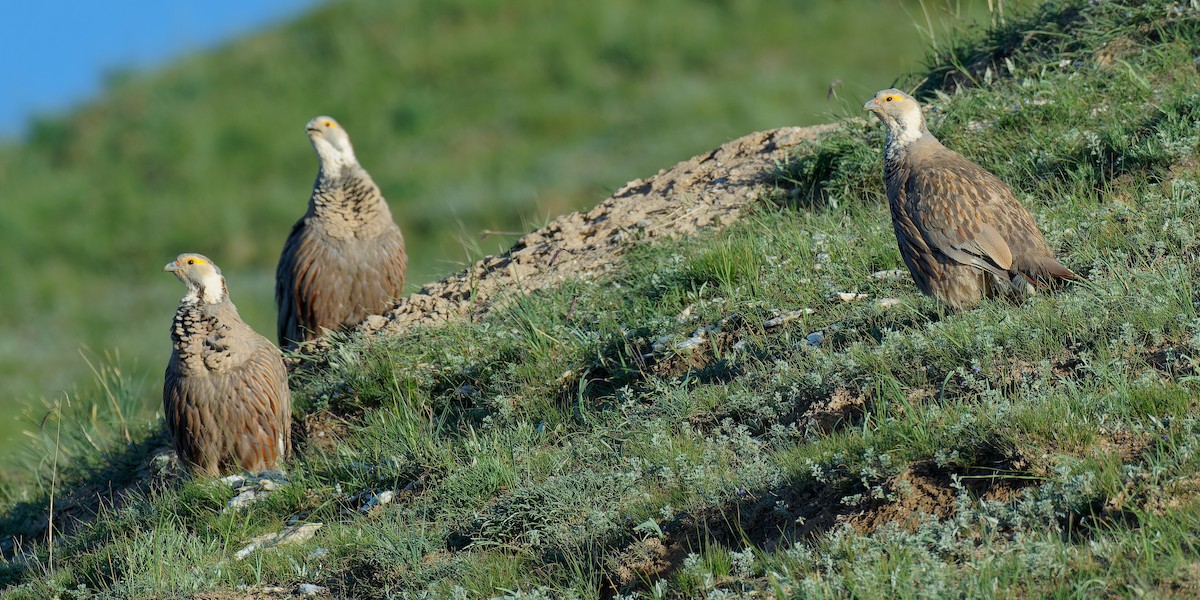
472	116
866	449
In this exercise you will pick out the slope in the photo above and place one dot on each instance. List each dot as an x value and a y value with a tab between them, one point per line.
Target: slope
473	117
764	408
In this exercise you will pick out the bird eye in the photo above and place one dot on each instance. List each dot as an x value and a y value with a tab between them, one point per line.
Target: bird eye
191	261
888	99
329	124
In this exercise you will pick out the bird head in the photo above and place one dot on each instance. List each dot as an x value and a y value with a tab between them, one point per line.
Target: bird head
331	142
201	276
900	113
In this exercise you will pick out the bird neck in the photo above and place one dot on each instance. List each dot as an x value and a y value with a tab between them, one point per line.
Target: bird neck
349	195
902	138
904	127
207	291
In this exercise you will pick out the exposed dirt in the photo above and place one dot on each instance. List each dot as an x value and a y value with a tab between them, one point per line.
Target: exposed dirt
769	519
841	408
323	430
707	191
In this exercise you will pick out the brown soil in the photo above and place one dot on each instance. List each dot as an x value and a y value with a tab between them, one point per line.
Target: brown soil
709	191
779	517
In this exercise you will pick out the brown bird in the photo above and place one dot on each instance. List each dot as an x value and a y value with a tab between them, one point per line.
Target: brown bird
225	393
962	233
345	259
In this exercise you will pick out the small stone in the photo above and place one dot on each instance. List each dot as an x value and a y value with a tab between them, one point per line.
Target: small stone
378	500
785	317
888	302
890	274
695	341
309	589
289	535
814	339
848	296
245	499
233	481
686	315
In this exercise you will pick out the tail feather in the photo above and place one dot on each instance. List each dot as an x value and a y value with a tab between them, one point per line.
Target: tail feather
1047	270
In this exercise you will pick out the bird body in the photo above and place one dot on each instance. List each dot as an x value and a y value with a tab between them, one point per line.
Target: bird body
961	231
345	258
225	392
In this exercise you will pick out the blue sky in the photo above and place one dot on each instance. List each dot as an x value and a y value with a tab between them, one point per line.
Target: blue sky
56	53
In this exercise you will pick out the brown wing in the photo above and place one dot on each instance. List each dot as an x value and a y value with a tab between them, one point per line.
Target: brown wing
382	266
323	283
241	418
262	428
953	202
190	420
288	319
317	279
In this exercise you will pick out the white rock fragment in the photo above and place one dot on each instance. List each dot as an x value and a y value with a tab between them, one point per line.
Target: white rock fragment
848	296
289	535
378	500
685	315
309	589
888	302
251	489
245	499
695	341
233	481
787	316
890	274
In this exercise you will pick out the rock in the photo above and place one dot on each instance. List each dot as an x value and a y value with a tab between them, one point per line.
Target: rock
890	274
245	499
289	535
848	296
378	500
309	589
814	339
786	317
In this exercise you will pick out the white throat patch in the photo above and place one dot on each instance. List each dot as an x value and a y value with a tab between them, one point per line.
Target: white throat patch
213	287
908	128
334	160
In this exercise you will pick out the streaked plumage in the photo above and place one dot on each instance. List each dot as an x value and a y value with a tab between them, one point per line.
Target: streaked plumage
962	233
225	392
345	258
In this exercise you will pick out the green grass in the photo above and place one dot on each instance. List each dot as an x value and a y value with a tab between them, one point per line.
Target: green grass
559	447
472	117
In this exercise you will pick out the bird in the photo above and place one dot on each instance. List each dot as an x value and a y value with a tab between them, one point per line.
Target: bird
961	231
225	390
345	258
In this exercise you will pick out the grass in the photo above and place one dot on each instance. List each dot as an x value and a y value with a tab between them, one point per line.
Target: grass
472	118
559	447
